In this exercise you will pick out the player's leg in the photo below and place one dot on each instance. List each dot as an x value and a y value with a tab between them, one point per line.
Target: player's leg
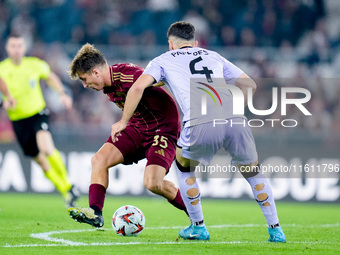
36	141
42	161
189	187
160	151
107	156
154	181
54	168
191	196
46	147
191	150
60	184
264	197
240	144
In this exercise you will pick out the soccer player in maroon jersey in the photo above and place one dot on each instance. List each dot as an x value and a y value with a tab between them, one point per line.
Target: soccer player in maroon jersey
151	133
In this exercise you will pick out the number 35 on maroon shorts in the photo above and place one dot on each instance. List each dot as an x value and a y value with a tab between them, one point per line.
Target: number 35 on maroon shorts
157	148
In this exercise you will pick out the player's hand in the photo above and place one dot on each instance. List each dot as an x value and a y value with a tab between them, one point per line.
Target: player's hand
116	129
66	101
9	103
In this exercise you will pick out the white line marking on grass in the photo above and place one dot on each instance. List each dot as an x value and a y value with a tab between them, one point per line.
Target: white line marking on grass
64	242
33	245
158	243
46	236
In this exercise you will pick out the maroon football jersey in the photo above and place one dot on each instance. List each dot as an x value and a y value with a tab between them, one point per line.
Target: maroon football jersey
156	112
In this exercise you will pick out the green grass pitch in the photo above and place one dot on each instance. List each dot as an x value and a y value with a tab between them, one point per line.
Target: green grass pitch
39	224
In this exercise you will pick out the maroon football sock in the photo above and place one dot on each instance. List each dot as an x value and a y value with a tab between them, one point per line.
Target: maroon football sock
178	202
97	196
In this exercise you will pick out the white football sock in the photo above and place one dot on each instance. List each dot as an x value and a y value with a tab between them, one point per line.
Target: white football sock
264	196
191	196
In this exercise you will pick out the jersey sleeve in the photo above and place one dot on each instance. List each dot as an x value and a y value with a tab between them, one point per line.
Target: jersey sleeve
231	72
43	67
154	68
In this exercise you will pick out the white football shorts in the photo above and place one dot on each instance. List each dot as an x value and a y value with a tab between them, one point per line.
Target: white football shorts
201	142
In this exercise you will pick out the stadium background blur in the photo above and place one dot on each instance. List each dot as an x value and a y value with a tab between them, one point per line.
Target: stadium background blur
284	42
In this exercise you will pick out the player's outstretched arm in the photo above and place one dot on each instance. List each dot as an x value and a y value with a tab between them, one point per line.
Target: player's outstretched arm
244	82
10	102
131	102
55	83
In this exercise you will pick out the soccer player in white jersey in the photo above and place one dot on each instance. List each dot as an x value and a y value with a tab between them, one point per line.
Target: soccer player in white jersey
199	139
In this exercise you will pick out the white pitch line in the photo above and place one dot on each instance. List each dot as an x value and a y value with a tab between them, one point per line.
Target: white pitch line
62	242
46	236
158	243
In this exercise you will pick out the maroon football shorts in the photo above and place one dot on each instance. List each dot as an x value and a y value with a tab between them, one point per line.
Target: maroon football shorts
157	148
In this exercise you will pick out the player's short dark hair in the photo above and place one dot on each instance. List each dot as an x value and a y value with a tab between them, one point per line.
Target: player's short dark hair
15	35
183	30
87	58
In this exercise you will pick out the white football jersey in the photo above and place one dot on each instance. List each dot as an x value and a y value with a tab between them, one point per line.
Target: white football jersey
190	74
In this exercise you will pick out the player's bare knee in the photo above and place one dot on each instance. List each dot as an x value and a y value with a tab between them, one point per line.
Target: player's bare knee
190	180
262	196
98	161
95	158
153	186
193	192
259	187
195	202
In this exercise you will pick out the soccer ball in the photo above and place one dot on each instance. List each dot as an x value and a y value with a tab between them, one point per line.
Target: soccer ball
128	220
